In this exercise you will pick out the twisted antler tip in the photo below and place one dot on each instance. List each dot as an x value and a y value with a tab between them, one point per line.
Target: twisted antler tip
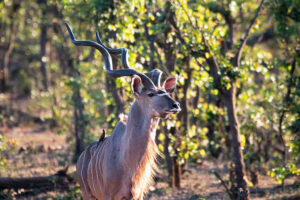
67	25
157	71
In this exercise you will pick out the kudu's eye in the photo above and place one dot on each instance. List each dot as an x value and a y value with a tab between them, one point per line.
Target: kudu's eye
151	94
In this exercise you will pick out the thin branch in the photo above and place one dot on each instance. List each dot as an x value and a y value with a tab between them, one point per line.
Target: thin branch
286	105
260	38
182	40
218	176
237	57
177	31
88	57
201	66
164	68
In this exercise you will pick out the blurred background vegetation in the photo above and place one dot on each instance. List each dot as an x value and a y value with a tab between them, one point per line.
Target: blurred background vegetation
236	60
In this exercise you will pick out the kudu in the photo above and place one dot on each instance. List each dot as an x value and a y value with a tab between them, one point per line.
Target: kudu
121	166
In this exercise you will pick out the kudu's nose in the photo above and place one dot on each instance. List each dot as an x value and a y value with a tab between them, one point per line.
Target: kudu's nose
176	105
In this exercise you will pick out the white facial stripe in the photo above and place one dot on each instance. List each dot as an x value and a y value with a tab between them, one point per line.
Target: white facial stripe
163	94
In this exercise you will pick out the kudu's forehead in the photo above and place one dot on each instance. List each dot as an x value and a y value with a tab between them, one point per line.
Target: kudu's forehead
158	91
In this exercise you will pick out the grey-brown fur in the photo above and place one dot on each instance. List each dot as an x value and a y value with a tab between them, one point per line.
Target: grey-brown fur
122	165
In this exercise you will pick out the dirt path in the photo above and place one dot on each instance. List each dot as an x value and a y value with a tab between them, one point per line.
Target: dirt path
36	151
32	151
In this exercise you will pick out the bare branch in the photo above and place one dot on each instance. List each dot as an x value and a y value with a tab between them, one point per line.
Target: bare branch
237	57
261	37
218	176
286	105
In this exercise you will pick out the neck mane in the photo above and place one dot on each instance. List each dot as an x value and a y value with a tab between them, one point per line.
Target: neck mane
139	148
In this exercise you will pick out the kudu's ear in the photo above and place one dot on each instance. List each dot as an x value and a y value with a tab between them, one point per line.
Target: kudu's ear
136	85
170	83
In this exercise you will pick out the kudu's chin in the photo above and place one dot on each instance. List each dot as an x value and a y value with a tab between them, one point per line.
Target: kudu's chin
167	113
164	115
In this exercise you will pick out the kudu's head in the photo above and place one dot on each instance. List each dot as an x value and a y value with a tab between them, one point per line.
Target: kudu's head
154	97
156	100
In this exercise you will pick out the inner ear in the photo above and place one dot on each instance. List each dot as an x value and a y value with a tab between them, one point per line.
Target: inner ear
170	84
136	85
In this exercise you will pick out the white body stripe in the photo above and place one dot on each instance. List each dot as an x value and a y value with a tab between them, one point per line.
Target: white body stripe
82	171
92	171
97	168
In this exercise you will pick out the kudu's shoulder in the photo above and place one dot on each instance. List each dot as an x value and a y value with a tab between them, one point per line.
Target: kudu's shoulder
120	128
90	149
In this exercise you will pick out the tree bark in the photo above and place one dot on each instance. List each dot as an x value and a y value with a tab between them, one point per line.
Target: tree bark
229	100
176	171
13	29
286	105
43	43
6	78
79	119
115	92
168	66
168	158
227	95
183	117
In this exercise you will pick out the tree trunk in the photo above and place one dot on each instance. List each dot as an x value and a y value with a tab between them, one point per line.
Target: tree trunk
11	44
229	100
286	104
115	92
168	158
176	171
4	82
184	119
80	122
43	43
66	61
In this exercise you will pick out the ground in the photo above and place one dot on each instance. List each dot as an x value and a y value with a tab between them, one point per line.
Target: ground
37	151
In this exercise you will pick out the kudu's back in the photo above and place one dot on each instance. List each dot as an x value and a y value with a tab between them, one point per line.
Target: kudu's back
98	169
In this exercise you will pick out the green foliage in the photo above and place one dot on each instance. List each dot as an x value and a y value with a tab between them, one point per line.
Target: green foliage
286	13
281	173
73	193
2	149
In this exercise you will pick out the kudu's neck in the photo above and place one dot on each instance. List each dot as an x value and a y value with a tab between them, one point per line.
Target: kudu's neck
140	133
